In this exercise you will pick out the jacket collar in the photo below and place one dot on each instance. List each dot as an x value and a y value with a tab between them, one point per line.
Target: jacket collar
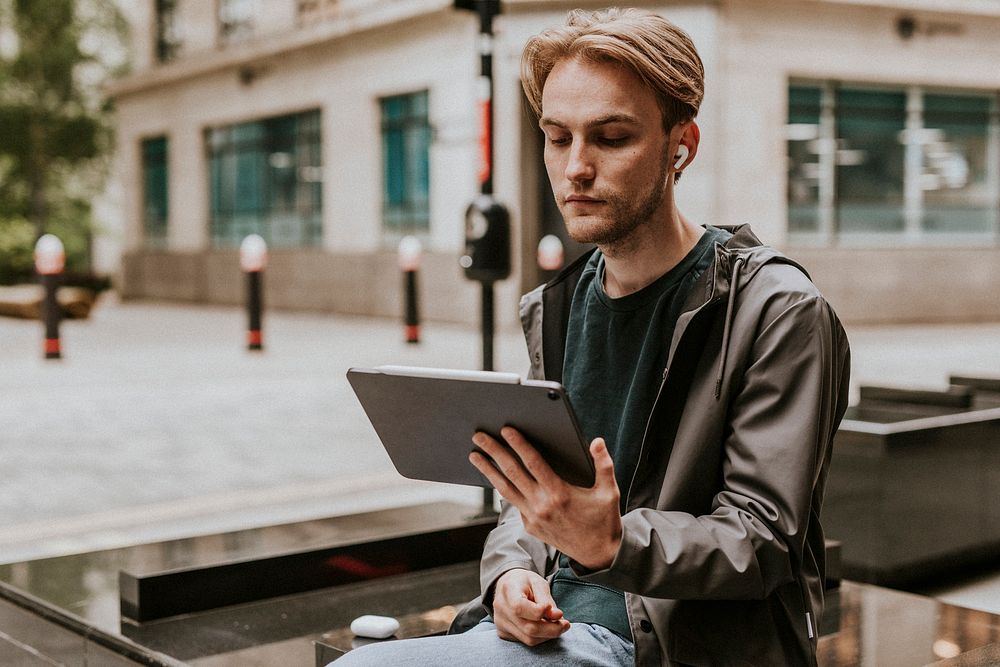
735	263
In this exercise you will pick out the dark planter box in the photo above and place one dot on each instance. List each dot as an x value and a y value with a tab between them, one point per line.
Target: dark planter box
914	486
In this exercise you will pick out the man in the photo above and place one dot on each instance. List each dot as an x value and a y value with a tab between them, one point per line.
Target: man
707	372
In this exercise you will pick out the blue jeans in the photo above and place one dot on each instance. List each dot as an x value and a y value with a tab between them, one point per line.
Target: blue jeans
582	645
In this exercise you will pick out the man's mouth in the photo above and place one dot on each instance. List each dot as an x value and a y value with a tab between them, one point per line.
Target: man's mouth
582	199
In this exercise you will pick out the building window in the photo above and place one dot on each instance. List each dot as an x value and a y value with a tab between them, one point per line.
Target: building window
406	138
236	20
266	178
167	37
869	157
805	108
915	163
155	199
960	164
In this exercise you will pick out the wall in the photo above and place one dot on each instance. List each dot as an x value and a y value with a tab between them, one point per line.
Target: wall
766	43
750	50
344	78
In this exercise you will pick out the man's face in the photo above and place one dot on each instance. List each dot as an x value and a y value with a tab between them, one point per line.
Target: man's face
606	151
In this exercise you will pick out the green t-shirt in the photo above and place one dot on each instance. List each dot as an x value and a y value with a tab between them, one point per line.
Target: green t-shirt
616	354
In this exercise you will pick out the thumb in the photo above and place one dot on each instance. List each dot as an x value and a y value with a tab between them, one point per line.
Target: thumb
603	464
543	597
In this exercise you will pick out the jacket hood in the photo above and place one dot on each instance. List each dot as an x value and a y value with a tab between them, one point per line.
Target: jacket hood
751	254
735	263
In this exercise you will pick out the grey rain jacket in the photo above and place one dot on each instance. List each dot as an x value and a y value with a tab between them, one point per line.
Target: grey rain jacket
722	553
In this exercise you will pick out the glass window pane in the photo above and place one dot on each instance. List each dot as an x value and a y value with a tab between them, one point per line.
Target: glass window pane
395	169
393	108
265	178
803	145
155	193
406	163
418	105
869	160
954	180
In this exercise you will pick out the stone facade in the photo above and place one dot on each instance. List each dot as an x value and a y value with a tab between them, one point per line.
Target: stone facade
341	56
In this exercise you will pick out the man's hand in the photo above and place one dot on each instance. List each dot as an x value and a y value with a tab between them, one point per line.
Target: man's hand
584	524
523	608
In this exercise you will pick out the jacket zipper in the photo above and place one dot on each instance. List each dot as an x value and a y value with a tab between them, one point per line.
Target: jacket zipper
659	392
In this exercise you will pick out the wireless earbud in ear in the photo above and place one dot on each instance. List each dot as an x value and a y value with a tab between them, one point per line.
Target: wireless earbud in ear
681	157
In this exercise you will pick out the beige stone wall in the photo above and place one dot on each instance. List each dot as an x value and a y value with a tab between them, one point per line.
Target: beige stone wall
766	43
750	48
343	78
317	280
925	285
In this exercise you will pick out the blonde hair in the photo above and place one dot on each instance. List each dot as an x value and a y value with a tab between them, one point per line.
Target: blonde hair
661	55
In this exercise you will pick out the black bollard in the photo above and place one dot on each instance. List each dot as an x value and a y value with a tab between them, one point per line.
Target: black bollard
50	259
51	314
253	259
255	336
410	251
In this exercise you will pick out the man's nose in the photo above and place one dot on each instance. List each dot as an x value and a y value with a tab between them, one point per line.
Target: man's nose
580	166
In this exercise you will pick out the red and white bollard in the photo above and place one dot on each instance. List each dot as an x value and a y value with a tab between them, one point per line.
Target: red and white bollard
410	254
50	259
550	256
253	259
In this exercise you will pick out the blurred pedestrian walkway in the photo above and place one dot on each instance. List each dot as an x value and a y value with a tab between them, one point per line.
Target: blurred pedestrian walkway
159	424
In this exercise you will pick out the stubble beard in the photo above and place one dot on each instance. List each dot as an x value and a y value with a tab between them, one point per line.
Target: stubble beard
625	214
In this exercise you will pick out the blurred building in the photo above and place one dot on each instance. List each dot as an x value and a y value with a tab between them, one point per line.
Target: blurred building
860	136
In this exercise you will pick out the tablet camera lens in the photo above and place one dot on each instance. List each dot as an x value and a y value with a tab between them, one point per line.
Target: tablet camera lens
554	395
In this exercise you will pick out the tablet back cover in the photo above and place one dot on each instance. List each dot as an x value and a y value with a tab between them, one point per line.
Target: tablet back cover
426	424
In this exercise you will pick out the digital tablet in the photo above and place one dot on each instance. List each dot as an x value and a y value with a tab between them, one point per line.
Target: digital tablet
426	417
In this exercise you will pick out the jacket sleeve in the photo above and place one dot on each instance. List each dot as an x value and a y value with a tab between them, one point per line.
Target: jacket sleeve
781	421
509	546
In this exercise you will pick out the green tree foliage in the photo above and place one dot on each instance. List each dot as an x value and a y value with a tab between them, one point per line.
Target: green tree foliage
17	236
55	131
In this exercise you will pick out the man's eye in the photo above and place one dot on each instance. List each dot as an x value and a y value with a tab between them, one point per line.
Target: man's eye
558	141
613	141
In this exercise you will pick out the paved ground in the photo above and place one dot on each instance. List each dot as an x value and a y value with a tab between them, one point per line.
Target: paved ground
158	421
159	424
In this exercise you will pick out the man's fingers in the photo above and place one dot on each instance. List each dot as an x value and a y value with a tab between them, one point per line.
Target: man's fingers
524	610
533	462
541	593
503	486
530	633
505	460
552	613
529	610
604	465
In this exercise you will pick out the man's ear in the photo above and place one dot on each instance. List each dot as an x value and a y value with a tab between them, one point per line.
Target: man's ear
687	145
